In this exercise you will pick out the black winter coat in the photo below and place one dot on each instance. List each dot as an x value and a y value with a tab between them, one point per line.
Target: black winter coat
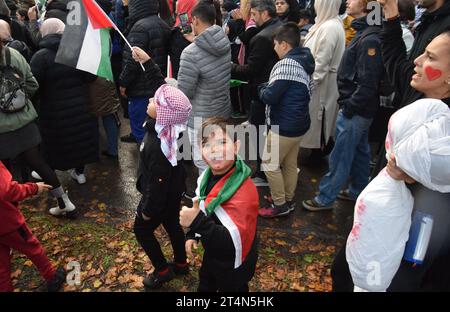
261	57
151	34
69	131
160	184
360	73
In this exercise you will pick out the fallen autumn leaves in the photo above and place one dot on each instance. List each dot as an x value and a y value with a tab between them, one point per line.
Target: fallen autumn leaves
111	260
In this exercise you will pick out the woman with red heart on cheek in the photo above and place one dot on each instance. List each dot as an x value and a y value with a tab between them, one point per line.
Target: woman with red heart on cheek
432	69
426	77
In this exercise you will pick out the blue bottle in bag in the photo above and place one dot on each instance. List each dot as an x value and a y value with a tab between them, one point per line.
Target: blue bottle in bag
419	237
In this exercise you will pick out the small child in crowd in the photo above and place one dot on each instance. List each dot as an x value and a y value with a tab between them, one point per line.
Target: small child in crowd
16	235
224	214
161	181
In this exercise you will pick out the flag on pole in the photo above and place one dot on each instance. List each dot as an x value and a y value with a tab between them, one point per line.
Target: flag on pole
87	45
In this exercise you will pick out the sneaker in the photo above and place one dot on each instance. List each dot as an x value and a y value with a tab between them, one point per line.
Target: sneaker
258	181
345	195
36	175
291	205
80	178
107	154
129	138
179	270
65	209
57	281
274	211
155	280
313	205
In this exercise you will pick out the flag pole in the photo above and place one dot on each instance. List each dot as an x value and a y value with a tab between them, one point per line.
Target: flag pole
117	29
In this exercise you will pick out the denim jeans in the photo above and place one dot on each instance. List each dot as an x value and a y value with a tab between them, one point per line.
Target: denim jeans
112	133
350	158
137	111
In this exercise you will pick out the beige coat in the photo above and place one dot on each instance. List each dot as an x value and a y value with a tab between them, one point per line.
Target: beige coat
327	45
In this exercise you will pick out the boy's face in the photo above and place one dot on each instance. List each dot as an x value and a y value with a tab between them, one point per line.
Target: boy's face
281	48
219	151
151	108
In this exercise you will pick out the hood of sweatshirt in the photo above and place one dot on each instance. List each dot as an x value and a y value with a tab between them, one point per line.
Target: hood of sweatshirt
214	41
304	57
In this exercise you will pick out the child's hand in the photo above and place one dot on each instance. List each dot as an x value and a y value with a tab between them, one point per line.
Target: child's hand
43	187
188	246
140	55
187	215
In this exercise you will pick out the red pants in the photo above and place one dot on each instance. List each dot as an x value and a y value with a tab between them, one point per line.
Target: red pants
22	240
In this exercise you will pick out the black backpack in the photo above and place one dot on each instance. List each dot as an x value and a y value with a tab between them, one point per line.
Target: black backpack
13	97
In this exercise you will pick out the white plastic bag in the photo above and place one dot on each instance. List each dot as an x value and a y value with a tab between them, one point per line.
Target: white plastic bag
419	137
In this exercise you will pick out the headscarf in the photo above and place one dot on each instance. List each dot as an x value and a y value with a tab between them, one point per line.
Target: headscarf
326	10
52	26
172	113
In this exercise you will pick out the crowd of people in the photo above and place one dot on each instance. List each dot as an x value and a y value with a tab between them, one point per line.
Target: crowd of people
313	74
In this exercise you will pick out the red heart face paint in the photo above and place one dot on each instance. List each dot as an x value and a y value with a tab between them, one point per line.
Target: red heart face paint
432	74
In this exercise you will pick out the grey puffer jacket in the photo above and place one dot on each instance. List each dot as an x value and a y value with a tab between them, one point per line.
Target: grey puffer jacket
205	71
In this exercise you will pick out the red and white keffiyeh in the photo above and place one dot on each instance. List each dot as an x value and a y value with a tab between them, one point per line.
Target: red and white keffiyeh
172	112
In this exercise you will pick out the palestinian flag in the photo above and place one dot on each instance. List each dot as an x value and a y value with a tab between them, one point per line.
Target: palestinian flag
86	45
235	202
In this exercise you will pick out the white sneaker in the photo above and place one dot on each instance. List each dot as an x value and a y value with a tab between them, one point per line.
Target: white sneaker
80	178
36	175
69	207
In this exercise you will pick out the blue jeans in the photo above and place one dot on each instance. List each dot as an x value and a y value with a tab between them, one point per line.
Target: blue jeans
137	111
112	133
350	158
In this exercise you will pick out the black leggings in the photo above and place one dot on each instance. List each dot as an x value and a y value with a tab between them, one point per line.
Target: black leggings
144	231
34	159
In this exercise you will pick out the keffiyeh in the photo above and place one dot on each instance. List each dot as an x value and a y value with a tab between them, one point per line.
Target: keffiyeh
172	112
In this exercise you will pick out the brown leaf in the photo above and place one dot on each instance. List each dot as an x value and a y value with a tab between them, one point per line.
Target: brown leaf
16	273
280	274
97	283
280	242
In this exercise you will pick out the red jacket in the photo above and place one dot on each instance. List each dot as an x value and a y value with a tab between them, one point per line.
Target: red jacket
11	193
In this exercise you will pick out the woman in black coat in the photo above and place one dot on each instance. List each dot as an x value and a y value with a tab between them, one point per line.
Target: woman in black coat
69	131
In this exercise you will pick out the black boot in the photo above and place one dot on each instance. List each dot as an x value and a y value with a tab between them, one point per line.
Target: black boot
57	281
156	280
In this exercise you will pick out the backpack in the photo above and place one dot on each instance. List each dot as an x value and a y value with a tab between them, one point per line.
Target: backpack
13	97
385	86
22	48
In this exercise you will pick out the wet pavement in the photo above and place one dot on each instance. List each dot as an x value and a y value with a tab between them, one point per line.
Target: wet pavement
295	251
112	183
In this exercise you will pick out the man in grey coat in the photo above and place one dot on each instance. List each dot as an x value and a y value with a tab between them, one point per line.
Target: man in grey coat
205	71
